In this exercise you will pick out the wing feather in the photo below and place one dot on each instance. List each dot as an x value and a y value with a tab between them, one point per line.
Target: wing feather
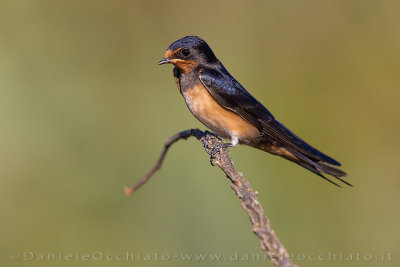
232	95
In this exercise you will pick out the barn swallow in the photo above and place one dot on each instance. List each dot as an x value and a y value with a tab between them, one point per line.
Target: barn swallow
222	104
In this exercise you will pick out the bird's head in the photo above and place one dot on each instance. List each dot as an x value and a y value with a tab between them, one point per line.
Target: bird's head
188	53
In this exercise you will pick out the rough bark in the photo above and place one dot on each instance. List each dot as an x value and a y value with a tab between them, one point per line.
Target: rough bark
269	242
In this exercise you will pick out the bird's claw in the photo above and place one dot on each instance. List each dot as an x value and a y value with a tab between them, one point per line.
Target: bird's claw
205	145
216	149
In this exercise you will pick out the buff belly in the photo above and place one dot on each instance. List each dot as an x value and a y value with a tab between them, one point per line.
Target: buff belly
222	121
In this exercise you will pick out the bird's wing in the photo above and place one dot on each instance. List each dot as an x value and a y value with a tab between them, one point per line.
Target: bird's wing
230	94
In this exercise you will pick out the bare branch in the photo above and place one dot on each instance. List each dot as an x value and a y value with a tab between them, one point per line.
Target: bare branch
182	135
269	242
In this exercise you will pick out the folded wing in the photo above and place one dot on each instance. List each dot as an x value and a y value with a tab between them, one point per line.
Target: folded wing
231	94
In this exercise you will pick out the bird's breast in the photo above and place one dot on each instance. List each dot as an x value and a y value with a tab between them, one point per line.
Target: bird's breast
222	121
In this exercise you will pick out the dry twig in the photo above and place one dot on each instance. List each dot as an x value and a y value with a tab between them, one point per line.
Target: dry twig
269	242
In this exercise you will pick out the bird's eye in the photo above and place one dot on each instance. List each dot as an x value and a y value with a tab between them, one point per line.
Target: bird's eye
185	52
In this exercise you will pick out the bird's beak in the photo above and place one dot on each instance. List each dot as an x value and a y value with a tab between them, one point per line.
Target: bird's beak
164	61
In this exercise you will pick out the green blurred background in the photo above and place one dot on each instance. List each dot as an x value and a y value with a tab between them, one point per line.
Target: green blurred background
84	110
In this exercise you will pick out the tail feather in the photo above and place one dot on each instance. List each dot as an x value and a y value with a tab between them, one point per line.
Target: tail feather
319	167
329	169
314	170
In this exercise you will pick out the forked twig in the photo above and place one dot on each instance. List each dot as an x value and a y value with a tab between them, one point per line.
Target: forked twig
269	242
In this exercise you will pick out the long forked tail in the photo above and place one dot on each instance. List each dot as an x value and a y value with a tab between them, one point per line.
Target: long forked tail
319	167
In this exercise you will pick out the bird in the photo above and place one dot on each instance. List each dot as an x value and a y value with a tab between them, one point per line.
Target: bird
223	105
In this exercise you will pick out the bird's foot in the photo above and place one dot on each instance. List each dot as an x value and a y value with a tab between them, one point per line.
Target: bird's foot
205	142
216	149
205	145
